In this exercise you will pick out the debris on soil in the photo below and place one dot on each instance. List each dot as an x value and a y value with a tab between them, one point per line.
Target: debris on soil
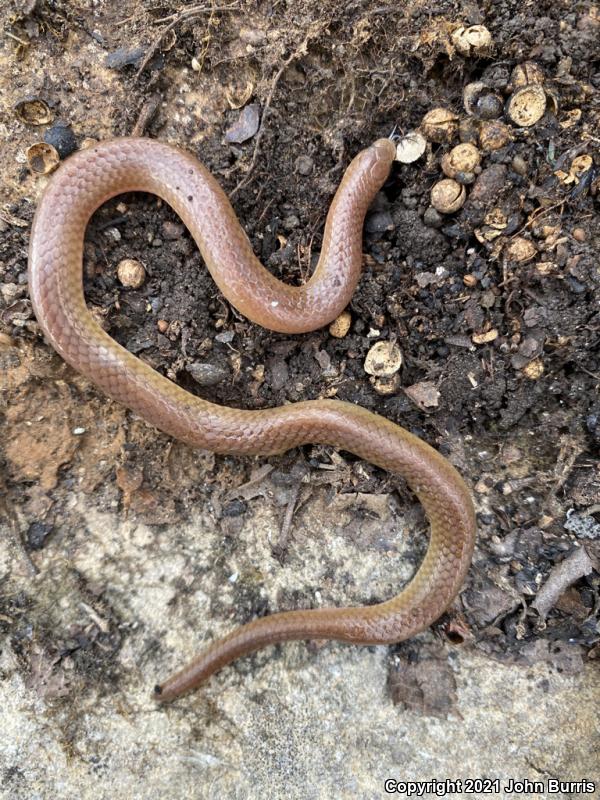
423	682
485	296
562	576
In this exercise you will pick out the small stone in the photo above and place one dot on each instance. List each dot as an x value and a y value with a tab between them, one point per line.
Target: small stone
520	166
246	125
78	431
37	534
235	508
383	360
424	394
62	138
206	374
162	325
432	218
341	325
379	222
579	234
172	230
488	299
489	184
131	273
304	165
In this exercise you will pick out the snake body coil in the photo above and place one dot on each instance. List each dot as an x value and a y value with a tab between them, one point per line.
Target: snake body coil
91	177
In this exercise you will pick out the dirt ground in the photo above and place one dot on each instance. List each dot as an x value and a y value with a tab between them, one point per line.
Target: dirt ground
121	550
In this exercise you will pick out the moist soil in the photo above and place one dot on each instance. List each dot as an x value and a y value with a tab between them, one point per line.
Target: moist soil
508	335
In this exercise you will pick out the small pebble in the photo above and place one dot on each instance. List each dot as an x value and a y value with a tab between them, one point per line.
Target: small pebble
424	394
246	125
131	273
341	325
489	184
487	299
291	222
304	165
519	165
379	222
579	234
61	137
235	508
37	534
432	218
206	374
172	230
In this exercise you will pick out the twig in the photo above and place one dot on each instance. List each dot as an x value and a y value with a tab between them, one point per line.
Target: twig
183	16
280	549
16	38
147	112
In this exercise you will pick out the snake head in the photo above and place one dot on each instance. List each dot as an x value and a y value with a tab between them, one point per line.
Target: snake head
380	154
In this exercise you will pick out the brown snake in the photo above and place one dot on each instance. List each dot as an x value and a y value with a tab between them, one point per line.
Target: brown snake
91	177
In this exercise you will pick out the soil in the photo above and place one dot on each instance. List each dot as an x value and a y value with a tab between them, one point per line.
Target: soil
512	346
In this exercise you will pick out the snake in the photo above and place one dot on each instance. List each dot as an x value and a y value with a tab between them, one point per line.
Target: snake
91	176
